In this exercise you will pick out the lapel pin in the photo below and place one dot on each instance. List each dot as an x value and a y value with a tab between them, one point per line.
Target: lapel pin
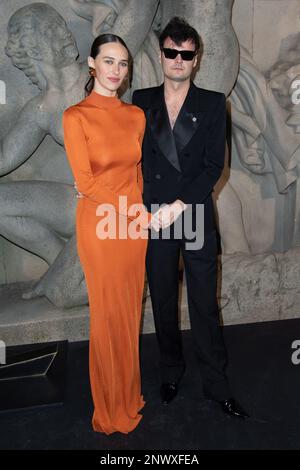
194	119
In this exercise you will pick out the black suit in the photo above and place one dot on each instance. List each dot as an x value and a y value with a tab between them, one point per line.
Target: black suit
185	164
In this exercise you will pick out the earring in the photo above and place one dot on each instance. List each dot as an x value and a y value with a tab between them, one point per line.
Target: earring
92	72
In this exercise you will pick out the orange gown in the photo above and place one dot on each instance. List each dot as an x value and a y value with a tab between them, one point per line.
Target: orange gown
103	138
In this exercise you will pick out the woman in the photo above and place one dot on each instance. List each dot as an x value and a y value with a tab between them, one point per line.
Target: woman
103	138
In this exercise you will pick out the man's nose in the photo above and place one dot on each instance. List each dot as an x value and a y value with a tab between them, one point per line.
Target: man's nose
178	59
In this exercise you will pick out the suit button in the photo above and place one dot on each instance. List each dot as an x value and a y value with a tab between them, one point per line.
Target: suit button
158	176
153	151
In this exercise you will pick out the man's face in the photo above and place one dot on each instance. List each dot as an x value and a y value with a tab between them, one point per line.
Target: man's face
178	70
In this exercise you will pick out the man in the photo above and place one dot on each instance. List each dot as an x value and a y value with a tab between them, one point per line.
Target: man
183	158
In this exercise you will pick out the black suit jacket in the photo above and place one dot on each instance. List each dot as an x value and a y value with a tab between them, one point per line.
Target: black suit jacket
187	162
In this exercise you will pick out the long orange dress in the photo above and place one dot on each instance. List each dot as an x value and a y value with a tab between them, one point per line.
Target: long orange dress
103	144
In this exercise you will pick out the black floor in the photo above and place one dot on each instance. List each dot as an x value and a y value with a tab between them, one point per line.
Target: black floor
261	373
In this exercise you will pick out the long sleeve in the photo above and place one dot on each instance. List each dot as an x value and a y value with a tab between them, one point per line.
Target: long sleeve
76	148
197	189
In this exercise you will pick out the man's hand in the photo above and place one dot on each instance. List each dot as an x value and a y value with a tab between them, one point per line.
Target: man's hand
169	213
155	225
142	217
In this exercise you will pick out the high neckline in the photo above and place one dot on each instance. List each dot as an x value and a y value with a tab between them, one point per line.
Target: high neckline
103	101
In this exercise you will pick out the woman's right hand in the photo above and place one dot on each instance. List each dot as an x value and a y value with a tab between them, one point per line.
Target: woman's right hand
146	221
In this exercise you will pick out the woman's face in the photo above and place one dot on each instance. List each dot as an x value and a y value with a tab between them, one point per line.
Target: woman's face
111	66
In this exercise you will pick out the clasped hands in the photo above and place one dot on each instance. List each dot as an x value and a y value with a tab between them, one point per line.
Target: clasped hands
167	215
161	219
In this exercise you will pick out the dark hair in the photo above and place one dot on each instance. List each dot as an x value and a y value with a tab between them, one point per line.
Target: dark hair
95	49
179	31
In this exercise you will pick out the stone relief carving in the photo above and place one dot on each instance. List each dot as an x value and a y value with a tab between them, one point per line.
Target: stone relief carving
265	141
39	215
266	145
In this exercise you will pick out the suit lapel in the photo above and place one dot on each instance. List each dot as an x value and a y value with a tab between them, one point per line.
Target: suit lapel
160	126
188	120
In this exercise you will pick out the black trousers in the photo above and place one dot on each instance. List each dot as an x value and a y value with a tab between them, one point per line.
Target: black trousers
201	280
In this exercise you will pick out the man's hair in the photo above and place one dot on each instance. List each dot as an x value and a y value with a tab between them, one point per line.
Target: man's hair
179	31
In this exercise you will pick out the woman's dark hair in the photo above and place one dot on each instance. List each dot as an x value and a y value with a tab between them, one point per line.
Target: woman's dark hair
179	31
95	49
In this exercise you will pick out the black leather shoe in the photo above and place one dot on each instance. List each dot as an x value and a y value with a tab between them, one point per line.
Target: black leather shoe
233	408
168	391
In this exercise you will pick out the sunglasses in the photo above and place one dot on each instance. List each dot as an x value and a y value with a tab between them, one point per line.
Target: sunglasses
173	53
